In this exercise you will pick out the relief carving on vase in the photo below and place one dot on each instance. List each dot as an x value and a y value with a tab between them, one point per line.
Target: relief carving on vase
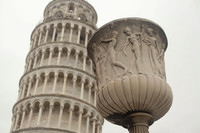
130	49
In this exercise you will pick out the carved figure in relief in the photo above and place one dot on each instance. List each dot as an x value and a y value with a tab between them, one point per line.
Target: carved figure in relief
132	38
155	57
100	60
112	53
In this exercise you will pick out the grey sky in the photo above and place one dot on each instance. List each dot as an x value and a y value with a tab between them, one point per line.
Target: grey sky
180	20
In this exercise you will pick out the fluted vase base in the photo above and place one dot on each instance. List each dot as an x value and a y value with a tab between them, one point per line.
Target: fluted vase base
138	122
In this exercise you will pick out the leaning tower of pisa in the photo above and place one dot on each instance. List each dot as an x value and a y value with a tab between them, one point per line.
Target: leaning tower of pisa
57	92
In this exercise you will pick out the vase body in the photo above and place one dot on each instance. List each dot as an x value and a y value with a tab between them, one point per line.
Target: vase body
128	55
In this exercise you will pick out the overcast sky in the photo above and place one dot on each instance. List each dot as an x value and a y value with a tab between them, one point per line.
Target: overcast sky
180	20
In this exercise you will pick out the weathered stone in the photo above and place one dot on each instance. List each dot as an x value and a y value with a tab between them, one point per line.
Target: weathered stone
128	55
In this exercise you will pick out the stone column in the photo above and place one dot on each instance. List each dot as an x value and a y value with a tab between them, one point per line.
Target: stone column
90	90
68	55
64	83
55	82
13	123
93	124
95	96
23	92
50	113
80	120
70	117
40	37
86	37
71	33
54	33
82	88
59	56
30	116
19	93
84	61
74	81
42	59
29	86
76	60
62	32
23	116
17	120
29	65
45	83
35	60
98	126
91	69
79	34
35	40
32	43
47	33
50	56
39	115
87	122
60	115
36	84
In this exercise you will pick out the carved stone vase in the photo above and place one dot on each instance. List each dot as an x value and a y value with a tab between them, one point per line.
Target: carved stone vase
128	57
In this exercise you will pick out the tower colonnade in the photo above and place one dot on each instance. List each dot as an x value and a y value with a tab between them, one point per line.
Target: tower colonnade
73	31
59	54
34	113
58	80
57	92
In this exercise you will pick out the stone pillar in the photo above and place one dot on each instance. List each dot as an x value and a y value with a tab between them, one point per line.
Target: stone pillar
79	34
29	65
91	69
55	82
35	60
80	120
13	123
64	83
87	122
32	43
40	37
82	88
94	124
70	117
98	126
19	93
42	59
17	120
71	33
59	56
30	116
29	86
54	33
68	55
76	59
47	33
95	96
39	115
24	89
45	83
36	84
89	92
35	40
50	113
86	37
62	32
50	56
60	115
23	116
84	61
74	81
